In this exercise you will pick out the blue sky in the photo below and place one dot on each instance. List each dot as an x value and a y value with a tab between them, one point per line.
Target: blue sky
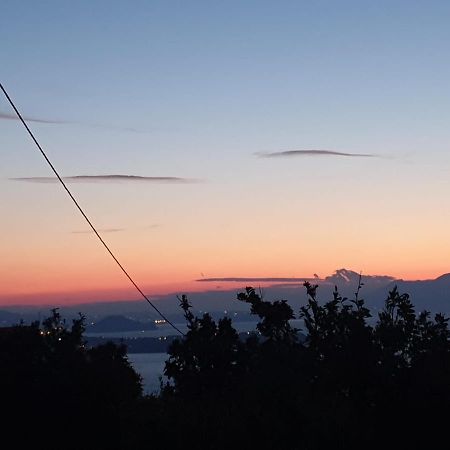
232	78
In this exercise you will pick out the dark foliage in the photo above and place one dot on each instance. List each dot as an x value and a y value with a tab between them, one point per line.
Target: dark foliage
342	384
59	392
347	385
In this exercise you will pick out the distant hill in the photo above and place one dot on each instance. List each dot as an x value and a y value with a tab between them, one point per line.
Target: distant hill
8	318
119	323
349	276
433	295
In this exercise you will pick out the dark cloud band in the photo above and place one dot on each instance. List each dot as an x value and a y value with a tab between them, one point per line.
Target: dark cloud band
294	153
110	179
6	116
255	280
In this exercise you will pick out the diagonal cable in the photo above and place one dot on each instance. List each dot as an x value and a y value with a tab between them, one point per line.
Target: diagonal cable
84	214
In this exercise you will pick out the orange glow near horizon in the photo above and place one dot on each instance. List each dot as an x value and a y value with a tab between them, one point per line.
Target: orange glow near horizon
116	288
77	269
43	258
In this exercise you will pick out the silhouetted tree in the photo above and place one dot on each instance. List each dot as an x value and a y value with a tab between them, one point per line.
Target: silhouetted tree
60	392
341	383
345	384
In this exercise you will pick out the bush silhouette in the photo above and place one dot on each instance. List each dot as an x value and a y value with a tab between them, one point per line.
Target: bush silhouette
60	390
341	381
346	384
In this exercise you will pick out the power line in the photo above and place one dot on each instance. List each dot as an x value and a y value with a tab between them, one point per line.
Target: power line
84	214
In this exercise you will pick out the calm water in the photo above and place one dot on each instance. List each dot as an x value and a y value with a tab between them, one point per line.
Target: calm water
167	330
150	366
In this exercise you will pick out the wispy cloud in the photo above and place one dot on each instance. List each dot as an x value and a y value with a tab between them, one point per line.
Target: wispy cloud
10	116
7	116
110	179
296	153
114	230
100	230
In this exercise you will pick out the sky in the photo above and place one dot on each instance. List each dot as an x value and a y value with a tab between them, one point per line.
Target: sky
246	139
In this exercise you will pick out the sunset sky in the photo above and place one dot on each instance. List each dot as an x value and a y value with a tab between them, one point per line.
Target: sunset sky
304	136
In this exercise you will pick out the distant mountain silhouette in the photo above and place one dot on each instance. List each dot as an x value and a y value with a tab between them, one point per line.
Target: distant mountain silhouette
444	278
8	318
349	276
119	323
425	294
433	295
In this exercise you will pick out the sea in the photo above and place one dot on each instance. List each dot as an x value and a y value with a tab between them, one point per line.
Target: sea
150	366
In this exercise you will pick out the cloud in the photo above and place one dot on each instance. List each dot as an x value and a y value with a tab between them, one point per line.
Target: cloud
112	230
100	230
293	153
7	116
110	179
255	280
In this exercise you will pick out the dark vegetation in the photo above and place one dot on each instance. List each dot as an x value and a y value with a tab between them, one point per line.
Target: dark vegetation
345	385
57	393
